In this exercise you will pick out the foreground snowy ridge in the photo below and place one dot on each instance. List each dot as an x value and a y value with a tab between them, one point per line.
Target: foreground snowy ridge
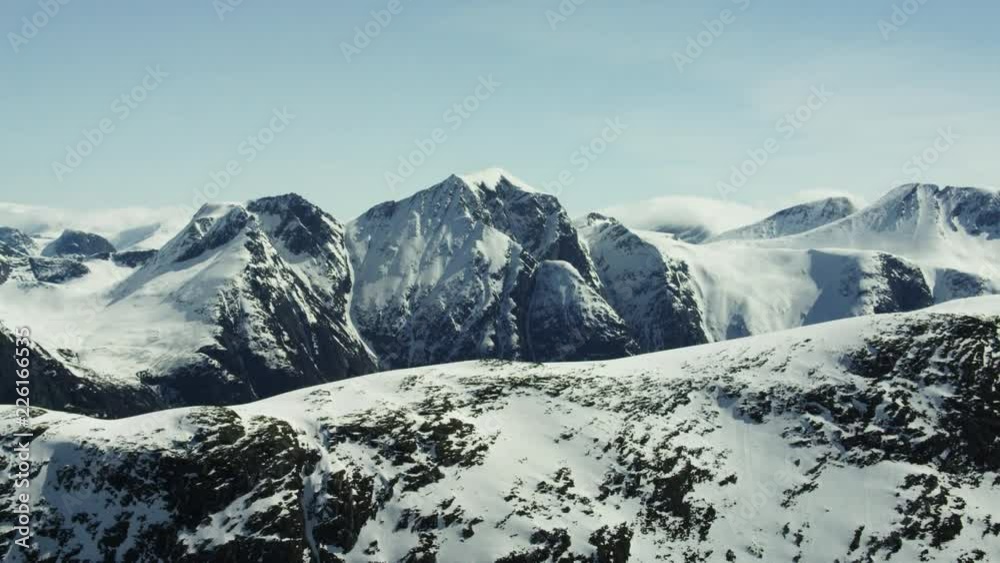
867	439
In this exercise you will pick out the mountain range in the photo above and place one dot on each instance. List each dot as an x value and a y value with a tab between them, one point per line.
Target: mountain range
471	374
248	300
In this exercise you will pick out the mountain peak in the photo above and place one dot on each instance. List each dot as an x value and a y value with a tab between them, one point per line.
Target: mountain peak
283	201
490	178
794	220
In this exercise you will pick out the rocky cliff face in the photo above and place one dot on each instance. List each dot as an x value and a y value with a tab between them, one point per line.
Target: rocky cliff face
652	291
860	284
865	439
566	319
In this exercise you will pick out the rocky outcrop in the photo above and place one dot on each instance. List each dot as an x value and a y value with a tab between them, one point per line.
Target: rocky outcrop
77	243
859	284
16	241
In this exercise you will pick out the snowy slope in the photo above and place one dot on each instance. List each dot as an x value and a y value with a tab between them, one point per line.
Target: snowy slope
866	439
447	273
794	220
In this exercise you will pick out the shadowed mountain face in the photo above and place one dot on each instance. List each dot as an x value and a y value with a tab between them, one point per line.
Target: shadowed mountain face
59	382
865	439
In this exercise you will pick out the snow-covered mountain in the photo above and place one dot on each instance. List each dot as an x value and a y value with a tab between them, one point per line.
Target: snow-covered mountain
952	233
453	273
942	227
867	439
245	302
817	262
673	294
249	300
794	220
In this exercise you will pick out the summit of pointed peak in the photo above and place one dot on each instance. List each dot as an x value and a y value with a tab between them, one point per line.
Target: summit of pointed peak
490	178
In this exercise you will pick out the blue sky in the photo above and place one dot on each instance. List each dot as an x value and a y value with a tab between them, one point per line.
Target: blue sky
557	82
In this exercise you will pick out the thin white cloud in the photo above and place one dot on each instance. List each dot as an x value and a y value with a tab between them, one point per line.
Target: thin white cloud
679	212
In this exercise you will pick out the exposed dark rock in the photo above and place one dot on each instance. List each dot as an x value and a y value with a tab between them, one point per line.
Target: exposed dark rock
57	270
133	258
